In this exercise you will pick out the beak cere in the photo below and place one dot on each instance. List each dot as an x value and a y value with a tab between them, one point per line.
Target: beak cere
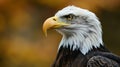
52	22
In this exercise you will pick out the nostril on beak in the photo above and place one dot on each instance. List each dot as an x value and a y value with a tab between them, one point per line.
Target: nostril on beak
54	19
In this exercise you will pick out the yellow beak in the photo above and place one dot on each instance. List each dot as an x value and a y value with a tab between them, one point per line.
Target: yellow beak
52	22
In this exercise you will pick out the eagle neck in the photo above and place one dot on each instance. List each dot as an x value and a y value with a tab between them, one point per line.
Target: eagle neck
82	41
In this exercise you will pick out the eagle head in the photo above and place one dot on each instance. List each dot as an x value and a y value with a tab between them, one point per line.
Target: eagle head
80	28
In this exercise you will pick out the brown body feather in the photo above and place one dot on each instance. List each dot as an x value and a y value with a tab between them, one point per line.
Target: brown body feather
99	57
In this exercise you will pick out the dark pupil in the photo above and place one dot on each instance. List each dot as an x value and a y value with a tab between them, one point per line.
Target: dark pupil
68	16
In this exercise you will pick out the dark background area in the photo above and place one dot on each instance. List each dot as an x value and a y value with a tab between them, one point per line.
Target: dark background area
22	42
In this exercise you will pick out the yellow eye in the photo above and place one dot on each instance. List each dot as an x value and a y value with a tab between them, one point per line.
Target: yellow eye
69	17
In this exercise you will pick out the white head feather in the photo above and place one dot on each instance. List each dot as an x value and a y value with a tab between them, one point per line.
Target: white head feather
85	34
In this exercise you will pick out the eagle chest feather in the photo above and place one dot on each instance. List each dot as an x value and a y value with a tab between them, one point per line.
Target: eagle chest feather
68	58
98	58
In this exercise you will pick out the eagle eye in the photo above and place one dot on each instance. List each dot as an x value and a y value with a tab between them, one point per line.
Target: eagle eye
69	17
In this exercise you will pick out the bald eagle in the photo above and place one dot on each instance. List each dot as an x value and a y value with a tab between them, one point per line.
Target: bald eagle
81	44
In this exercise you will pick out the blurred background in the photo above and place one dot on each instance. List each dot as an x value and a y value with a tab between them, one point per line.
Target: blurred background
22	42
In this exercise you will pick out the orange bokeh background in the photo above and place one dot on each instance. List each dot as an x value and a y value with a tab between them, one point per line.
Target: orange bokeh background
22	42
